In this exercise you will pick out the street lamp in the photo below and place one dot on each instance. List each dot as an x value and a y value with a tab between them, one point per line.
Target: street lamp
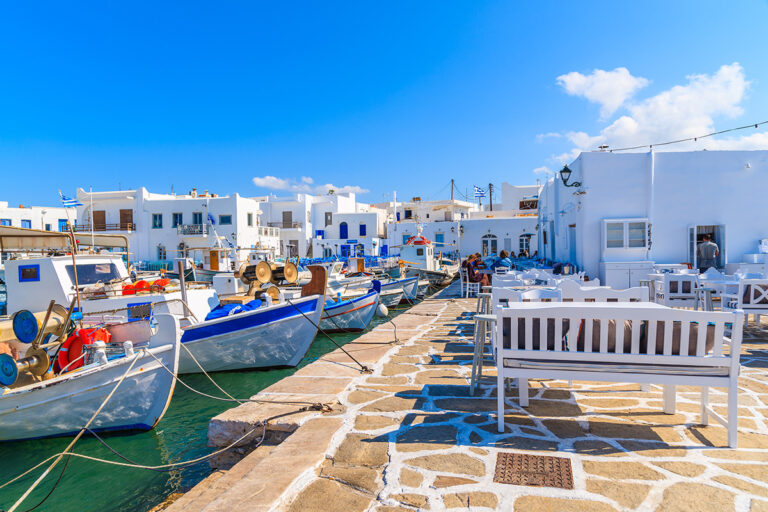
565	175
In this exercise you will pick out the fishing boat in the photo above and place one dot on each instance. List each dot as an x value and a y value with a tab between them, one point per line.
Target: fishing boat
138	366
350	315
409	286
388	298
420	260
254	334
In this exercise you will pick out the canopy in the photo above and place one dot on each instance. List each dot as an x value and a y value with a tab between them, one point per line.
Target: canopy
23	239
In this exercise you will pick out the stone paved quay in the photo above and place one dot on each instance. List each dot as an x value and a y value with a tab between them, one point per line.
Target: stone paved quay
409	436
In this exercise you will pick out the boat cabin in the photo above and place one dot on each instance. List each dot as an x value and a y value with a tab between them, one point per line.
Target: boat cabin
419	252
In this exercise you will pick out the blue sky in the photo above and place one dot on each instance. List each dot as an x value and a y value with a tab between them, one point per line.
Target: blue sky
375	95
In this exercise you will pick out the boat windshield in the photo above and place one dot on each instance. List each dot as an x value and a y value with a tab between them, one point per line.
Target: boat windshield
91	273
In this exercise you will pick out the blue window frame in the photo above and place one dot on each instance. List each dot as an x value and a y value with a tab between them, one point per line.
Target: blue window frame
62	225
157	221
439	239
177	220
362	229
319	233
343	230
197	218
5	222
139	311
28	273
225	219
405	238
26	223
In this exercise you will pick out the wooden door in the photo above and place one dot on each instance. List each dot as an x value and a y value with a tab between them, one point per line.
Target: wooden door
126	219
287	219
99	220
214	257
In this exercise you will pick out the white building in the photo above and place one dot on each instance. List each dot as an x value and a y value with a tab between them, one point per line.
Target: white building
161	227
417	210
352	234
304	220
633	209
460	226
48	218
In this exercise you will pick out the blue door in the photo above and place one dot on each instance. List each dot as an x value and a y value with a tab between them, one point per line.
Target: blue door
439	239
343	232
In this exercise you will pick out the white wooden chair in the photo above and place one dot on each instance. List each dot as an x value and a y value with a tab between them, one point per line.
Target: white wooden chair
468	287
676	290
751	297
656	345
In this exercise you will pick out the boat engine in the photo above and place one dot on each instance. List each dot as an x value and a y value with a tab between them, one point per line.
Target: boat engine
263	272
36	362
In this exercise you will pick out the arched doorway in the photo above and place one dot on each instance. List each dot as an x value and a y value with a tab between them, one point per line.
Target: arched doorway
490	244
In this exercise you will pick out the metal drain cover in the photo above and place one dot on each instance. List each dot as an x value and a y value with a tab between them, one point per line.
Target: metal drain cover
533	470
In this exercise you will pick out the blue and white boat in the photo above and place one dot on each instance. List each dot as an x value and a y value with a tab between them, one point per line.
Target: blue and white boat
349	315
409	286
62	405
262	337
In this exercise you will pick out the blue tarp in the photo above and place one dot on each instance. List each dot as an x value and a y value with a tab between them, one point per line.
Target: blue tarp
221	311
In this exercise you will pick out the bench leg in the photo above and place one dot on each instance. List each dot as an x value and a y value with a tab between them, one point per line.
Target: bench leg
670	397
522	387
704	405
477	357
500	398
733	413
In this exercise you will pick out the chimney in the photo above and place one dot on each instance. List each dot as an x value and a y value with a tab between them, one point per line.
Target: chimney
193	193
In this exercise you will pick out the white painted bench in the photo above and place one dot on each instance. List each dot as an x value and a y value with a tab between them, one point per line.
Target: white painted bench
573	292
676	290
751	297
581	341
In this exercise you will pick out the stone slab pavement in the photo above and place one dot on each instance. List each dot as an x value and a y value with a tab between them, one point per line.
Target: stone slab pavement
413	438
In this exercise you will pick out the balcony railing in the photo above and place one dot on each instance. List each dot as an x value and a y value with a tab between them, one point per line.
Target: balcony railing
192	229
122	226
285	225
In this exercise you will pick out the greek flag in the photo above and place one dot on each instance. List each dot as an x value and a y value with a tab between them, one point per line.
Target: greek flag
479	192
210	219
68	202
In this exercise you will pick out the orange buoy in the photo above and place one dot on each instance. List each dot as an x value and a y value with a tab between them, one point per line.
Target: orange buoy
72	349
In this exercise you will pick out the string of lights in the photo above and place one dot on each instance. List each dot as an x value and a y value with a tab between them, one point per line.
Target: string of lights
694	139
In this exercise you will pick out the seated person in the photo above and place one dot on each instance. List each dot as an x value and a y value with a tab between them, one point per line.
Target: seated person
503	261
478	261
473	276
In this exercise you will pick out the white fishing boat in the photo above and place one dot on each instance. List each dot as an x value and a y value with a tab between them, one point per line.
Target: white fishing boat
418	254
351	314
389	298
267	336
142	378
408	285
340	282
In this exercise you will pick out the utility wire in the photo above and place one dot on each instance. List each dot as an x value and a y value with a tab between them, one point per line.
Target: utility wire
689	139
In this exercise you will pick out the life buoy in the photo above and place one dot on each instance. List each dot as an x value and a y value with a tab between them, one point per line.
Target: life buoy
72	349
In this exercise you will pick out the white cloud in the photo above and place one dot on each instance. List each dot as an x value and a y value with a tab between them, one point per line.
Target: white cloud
550	135
543	170
608	88
305	185
680	112
271	182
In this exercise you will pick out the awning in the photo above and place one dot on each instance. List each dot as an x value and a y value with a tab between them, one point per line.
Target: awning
23	239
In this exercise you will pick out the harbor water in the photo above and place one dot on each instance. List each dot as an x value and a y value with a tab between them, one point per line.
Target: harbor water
181	435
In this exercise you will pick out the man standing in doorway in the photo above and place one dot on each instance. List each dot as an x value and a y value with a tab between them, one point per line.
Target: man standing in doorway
706	253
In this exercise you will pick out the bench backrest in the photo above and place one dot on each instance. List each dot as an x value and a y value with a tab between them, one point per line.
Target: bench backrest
503	296
753	295
573	292
622	332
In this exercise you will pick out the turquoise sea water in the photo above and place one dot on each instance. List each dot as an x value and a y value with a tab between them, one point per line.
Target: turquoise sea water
181	435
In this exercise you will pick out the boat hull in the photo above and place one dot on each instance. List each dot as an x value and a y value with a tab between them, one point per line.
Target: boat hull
62	406
391	298
409	286
277	335
351	315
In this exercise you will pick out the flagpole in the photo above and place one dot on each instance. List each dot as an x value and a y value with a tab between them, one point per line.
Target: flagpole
90	194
